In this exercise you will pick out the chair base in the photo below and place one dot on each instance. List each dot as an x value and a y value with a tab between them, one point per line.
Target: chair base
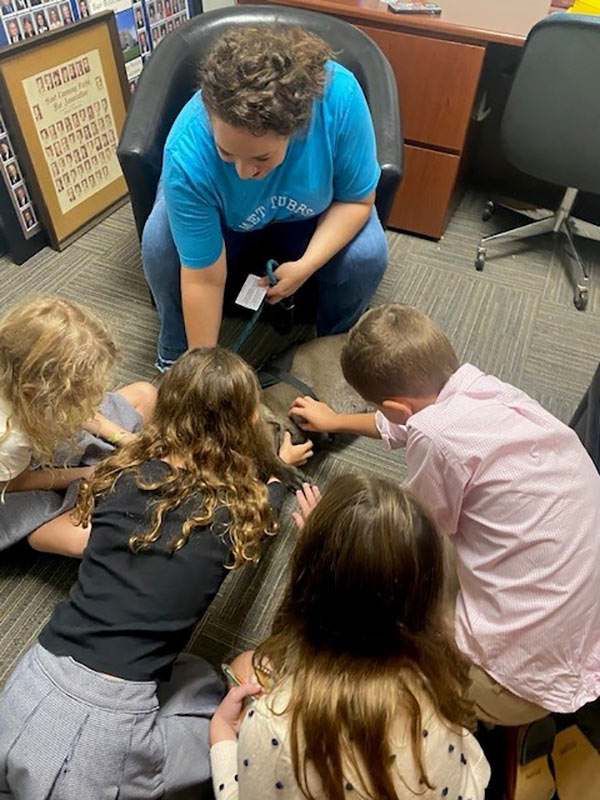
560	223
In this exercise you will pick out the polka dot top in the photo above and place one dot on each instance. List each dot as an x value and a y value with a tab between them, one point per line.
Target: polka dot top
259	766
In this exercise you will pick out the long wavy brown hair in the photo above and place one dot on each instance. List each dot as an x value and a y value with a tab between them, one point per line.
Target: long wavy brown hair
265	78
205	426
360	635
56	359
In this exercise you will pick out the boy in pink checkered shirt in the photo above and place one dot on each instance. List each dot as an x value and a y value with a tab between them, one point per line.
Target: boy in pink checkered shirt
514	490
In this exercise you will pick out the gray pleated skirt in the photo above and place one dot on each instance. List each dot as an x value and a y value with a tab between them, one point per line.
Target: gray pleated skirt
24	512
68	733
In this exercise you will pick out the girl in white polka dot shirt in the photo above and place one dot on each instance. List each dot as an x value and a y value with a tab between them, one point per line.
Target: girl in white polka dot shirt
363	690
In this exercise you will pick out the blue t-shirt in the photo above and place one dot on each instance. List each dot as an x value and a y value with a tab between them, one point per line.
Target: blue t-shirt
335	159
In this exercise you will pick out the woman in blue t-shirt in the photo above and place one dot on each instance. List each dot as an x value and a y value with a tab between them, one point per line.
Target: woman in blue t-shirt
274	157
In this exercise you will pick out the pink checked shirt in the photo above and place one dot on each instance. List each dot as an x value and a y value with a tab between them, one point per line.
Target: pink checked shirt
520	496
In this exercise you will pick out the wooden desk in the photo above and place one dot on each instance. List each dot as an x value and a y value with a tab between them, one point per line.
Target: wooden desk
437	61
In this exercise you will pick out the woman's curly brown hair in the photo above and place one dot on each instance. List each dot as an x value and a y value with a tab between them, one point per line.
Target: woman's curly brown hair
205	426
56	359
264	79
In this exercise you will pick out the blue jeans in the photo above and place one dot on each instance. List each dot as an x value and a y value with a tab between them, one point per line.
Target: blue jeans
345	285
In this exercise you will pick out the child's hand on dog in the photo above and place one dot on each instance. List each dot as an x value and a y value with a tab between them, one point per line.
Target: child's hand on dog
313	415
295	454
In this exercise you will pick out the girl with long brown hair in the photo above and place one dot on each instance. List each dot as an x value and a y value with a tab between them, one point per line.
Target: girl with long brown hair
364	690
56	360
170	512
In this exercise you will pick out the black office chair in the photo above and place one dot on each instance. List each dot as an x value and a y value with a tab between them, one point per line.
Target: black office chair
551	127
169	80
586	419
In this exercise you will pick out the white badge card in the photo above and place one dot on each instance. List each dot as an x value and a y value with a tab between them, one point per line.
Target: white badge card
251	294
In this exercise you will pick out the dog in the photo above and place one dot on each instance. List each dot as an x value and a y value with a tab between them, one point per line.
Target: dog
316	365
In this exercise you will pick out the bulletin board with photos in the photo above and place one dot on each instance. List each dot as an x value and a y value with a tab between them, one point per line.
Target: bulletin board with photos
65	102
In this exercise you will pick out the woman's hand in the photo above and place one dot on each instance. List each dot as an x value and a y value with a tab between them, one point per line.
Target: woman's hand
295	454
290	277
307	498
228	717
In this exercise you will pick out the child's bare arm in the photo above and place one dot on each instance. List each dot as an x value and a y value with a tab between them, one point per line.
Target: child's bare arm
108	430
47	479
320	417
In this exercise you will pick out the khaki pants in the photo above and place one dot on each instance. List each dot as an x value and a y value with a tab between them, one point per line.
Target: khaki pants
493	702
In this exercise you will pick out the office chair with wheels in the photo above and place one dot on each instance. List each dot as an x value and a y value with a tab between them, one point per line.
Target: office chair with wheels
169	80
551	129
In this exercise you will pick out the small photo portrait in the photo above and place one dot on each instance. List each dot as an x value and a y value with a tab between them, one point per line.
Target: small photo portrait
160	11
77	156
86	64
61	163
20	5
151	11
8	6
48	82
111	136
155	35
98	175
94	128
57	80
41	23
94	161
14	176
73	175
82	115
143	42
54	169
84	151
99	83
52	130
33	3
49	151
69	158
5	150
132	86
59	184
37	112
75	119
64	74
27	27
72	72
86	131
104	103
98	143
84	11
175	6
139	17
84	185
79	135
67	179
90	112
102	156
170	26
54	20
71	195
21	196
60	127
101	124
79	67
65	12
92	181
163	30
12	31
58	149
28	218
97	108
68	125
77	189
64	143
87	165
71	140
80	171
105	171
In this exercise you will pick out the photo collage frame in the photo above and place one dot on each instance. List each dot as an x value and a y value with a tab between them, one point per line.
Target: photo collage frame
17	189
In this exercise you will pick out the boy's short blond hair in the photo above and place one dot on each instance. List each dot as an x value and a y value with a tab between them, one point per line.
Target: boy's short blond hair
397	351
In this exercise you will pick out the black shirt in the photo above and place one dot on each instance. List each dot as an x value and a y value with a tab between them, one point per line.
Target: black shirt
130	614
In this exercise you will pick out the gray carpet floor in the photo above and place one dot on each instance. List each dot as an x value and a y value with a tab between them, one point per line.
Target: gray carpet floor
516	319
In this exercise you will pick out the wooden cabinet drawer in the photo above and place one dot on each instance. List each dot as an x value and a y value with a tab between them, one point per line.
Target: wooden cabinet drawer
424	196
437	81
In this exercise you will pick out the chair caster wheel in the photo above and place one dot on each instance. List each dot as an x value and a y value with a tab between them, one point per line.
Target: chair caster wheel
488	211
480	260
581	300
